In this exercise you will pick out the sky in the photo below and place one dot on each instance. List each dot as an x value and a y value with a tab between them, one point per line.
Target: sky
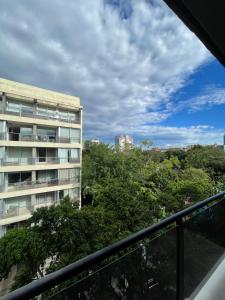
136	67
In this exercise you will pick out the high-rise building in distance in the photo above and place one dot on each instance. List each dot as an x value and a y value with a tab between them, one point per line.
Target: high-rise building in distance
123	141
40	150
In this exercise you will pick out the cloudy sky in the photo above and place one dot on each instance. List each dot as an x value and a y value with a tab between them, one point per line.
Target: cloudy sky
137	69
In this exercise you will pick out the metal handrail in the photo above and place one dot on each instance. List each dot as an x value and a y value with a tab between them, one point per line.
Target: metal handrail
51	280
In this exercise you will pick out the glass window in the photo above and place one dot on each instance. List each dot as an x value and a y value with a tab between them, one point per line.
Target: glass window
13	106
63	115
74	154
19	177
27	109
65	132
74	173
1	106
72	116
63	155
72	193
42	111
75	135
26	131
46	175
17	202
52	113
2	152
63	174
46	134
2	179
45	198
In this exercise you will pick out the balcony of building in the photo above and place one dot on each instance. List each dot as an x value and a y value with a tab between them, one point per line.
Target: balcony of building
33	110
23	133
22	156
16	181
21	208
17	209
181	257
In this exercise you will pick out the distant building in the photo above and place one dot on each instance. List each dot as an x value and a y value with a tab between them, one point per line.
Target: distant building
95	141
123	142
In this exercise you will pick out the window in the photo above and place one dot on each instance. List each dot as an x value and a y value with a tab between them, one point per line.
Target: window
75	135
13	107
46	112
72	174
1	105
45	198
63	155
74	194
46	175
63	115
19	177
74	155
18	155
42	111
70	134
27	109
46	134
26	131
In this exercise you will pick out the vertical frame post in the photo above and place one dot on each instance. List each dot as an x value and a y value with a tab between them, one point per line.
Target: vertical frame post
180	260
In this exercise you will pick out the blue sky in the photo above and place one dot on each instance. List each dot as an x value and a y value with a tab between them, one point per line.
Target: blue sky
212	76
137	69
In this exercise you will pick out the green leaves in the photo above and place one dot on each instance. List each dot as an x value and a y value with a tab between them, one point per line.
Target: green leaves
122	192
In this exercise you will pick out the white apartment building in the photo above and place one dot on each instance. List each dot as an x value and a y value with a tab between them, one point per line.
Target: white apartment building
40	150
123	142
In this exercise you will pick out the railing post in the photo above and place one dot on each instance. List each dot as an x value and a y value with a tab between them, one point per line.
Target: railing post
180	260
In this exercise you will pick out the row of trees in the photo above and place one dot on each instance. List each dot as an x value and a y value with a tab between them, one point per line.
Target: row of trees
122	192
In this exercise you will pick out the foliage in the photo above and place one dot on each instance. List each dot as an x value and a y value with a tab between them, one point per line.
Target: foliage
122	192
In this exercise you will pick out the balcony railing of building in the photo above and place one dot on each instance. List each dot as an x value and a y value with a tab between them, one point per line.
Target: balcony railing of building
167	260
36	160
16	211
54	116
36	138
28	184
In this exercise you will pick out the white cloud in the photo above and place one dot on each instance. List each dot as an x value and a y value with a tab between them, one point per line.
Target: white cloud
211	96
124	69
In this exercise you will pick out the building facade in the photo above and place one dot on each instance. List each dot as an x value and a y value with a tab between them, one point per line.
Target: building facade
123	142
40	150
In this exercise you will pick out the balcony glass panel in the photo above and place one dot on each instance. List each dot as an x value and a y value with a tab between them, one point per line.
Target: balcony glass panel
204	244
147	272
